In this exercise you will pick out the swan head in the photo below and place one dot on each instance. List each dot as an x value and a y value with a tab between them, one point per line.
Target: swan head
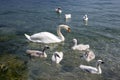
74	40
85	17
100	62
46	47
65	27
59	8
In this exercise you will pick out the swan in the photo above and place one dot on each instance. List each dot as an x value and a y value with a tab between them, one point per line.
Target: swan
67	16
80	47
85	18
93	70
58	10
57	57
37	53
47	37
89	55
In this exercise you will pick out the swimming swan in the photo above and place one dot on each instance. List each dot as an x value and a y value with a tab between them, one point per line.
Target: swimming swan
36	53
47	37
58	10
57	57
89	55
80	47
67	16
93	70
85	18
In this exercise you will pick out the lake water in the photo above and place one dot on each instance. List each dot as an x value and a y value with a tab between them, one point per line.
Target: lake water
102	33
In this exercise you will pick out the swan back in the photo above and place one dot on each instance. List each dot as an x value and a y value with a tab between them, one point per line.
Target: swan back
57	57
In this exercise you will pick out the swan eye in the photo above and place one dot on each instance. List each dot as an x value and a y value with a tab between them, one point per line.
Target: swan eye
68	30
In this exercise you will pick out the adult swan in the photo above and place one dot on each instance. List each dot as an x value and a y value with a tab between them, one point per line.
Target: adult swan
47	37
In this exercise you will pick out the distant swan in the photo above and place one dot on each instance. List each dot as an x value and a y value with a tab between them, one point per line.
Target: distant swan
47	37
85	18
80	47
93	70
57	57
89	55
67	16
58	10
36	53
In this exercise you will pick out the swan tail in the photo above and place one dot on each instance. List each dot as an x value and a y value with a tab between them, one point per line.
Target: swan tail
27	36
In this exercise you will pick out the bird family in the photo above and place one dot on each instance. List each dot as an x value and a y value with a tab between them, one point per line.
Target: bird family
57	57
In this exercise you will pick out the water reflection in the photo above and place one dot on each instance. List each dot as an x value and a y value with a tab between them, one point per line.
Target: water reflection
68	20
85	23
40	46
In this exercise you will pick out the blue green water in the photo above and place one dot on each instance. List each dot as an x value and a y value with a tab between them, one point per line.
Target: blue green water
102	33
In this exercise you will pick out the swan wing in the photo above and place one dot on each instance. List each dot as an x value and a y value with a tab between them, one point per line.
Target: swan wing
61	57
60	54
89	68
33	51
45	37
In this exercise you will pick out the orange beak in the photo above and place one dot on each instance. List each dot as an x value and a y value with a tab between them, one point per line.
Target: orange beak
68	30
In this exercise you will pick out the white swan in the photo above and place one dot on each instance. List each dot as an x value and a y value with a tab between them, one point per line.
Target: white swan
80	47
58	10
47	37
57	57
85	18
89	55
67	16
93	70
36	53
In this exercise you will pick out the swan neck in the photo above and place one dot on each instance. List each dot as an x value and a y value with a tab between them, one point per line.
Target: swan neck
75	43
99	69
59	33
43	50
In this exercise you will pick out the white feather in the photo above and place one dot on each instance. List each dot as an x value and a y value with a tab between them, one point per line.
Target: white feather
57	59
89	55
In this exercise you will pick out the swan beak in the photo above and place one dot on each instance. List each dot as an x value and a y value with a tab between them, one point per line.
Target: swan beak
68	30
102	62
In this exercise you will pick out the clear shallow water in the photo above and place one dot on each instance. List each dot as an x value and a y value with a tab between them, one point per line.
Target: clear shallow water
31	16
